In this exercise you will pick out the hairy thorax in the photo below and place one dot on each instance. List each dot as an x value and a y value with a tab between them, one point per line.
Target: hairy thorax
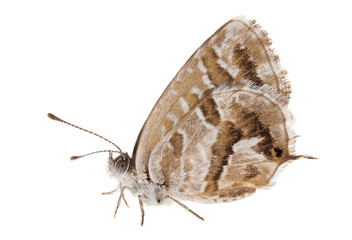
150	192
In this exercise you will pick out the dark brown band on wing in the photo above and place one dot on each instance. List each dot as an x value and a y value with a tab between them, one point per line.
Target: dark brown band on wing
248	69
216	73
252	126
176	142
257	129
222	149
210	112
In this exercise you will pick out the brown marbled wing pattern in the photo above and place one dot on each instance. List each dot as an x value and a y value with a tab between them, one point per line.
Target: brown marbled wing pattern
227	158
223	58
195	141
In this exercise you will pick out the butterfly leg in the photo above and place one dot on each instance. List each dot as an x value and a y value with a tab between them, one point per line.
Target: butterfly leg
142	209
123	198
118	201
112	192
185	207
109	193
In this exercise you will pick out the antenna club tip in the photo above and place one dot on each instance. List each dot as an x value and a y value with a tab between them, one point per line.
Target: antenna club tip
74	157
53	117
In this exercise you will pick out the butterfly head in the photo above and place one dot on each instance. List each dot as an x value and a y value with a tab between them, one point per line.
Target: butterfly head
121	165
118	166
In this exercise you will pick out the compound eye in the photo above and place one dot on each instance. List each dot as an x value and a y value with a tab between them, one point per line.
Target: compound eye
121	166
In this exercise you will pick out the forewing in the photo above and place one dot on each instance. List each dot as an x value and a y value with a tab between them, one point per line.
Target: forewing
236	59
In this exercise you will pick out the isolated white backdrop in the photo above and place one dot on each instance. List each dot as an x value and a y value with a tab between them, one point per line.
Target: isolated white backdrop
103	64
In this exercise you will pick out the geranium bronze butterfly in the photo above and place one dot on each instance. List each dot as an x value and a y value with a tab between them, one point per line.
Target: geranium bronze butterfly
220	130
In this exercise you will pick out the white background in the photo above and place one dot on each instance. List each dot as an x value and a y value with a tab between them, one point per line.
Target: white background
103	64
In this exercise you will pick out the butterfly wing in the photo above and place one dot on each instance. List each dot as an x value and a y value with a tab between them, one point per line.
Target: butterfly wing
220	127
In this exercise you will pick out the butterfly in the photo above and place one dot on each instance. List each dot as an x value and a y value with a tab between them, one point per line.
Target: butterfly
219	131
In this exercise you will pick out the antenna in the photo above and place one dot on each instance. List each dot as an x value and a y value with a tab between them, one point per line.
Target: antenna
76	157
53	117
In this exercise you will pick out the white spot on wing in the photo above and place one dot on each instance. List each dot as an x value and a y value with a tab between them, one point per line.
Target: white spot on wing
229	34
163	130
217	50
195	90
202	152
184	105
204	165
172	117
207	81
222	63
233	70
245	144
235	25
264	70
201	66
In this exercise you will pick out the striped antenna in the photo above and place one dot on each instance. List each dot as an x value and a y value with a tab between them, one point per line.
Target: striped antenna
53	117
76	157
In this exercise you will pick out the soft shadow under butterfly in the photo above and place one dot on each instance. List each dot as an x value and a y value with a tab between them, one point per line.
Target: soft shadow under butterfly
219	131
